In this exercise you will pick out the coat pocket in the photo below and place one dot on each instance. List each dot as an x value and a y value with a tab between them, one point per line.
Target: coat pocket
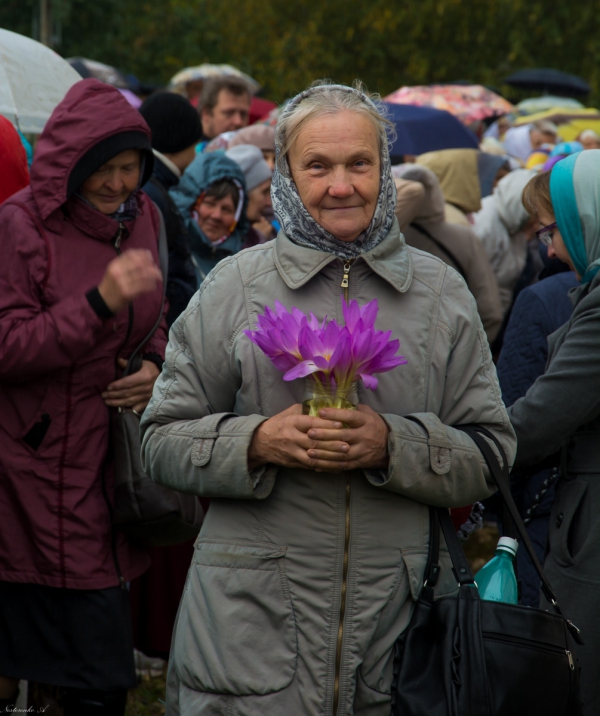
568	530
236	632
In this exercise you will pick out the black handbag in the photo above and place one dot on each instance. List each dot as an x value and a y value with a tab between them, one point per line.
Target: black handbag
144	510
464	656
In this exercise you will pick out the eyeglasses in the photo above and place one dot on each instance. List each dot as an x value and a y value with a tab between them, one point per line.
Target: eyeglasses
545	234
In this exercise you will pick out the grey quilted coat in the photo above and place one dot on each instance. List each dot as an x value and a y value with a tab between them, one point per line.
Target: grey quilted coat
302	581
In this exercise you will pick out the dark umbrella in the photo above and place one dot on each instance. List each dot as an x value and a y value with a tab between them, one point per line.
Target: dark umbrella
424	129
551	81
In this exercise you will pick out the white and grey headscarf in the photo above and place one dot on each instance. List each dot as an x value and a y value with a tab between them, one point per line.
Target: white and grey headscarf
299	225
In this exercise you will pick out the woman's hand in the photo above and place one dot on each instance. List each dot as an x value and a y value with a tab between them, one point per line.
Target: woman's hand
291	439
363	444
135	390
127	277
283	440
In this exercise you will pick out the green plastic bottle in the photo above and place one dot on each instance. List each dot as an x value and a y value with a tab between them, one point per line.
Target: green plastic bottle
497	581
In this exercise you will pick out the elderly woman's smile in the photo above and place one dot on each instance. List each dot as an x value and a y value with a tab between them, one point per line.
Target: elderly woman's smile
336	165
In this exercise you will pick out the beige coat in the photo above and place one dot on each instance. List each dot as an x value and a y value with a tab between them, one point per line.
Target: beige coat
458	174
420	212
302	581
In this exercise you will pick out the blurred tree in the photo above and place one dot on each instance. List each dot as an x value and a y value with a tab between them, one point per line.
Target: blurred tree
285	45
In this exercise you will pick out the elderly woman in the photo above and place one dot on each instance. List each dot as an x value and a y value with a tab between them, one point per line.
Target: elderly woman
315	543
212	200
79	291
561	410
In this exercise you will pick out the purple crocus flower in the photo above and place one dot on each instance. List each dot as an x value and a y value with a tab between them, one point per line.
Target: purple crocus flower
333	355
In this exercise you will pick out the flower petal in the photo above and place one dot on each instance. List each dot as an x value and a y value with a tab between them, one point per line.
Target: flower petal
301	370
369	381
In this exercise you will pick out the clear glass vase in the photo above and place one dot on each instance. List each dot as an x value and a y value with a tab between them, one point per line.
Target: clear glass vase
318	395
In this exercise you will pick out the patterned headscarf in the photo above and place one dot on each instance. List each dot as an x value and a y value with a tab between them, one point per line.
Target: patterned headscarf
299	225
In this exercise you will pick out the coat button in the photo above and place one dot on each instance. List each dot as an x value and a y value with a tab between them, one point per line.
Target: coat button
559	519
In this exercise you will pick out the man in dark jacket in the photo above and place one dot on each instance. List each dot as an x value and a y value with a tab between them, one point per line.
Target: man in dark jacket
176	130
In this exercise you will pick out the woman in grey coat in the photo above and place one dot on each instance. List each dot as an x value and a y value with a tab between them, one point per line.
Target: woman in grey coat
561	411
314	546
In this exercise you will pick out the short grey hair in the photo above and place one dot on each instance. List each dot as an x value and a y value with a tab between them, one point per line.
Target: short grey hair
321	98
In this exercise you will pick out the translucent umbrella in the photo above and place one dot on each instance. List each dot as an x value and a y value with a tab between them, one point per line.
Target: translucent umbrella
203	72
104	73
547	101
470	103
33	80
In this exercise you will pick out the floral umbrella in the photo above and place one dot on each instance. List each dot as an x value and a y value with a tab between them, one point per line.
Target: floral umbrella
470	103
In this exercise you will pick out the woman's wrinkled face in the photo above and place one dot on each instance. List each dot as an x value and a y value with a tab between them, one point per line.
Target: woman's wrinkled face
335	164
115	181
215	216
557	248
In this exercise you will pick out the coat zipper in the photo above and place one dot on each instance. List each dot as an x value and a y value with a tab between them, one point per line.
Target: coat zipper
340	634
113	532
346	278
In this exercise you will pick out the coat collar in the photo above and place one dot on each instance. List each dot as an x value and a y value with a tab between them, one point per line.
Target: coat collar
390	259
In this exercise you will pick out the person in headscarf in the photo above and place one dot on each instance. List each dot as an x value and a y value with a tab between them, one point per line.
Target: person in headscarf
504	227
458	174
590	139
420	212
520	141
539	157
560	151
491	169
314	547
257	174
560	414
259	135
212	200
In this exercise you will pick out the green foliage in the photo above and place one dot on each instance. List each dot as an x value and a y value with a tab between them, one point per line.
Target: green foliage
286	44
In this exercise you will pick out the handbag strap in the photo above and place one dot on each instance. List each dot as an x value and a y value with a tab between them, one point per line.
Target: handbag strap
163	256
500	475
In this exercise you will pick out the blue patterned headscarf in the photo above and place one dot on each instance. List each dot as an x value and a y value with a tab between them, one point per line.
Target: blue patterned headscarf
299	225
575	194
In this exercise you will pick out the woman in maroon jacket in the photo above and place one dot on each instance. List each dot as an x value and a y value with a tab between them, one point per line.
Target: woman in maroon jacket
79	290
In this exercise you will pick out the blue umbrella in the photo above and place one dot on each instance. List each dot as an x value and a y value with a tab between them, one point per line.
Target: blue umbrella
424	129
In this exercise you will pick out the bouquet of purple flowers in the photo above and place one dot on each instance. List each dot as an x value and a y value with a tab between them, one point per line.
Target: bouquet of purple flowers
333	357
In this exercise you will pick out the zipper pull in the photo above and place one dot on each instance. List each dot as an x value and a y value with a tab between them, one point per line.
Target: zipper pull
571	662
345	279
117	241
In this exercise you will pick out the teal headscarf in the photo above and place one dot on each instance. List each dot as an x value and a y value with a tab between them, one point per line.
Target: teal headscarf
575	193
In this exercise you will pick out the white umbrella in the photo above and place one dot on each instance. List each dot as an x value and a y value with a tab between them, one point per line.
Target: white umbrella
203	72
33	80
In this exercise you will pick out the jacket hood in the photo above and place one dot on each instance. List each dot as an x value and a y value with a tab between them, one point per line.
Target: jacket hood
489	165
508	198
91	112
208	169
458	175
429	206
13	160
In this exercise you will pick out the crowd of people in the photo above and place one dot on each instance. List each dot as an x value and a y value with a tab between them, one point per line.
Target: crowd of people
315	536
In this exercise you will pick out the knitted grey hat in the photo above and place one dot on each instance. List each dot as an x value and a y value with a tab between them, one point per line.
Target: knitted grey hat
251	160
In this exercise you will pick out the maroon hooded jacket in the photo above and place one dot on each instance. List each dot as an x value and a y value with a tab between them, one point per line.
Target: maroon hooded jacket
57	356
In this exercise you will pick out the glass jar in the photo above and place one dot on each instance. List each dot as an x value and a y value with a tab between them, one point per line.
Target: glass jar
318	395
